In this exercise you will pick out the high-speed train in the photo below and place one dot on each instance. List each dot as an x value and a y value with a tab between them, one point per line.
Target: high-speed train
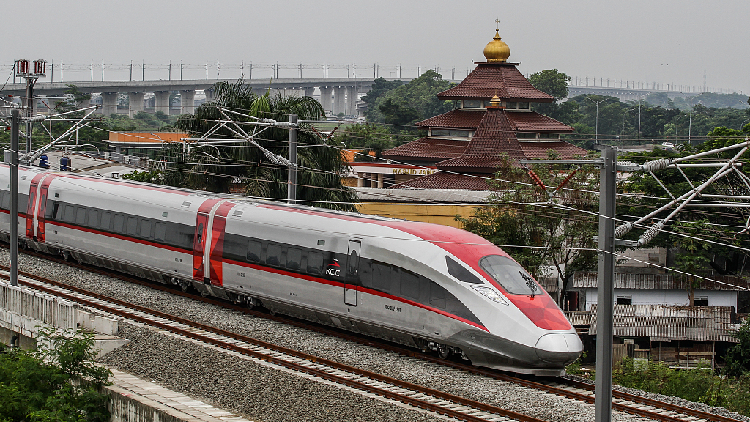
418	284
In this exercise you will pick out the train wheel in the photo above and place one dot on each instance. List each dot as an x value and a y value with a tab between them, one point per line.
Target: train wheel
444	351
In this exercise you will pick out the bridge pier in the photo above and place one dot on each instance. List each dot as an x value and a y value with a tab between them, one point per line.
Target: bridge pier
109	103
162	102
309	90
187	101
136	103
210	94
339	96
351	100
325	98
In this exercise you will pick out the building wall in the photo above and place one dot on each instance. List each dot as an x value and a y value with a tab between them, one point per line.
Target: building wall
438	214
666	297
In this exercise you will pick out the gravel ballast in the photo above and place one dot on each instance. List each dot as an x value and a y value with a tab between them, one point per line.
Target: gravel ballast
265	394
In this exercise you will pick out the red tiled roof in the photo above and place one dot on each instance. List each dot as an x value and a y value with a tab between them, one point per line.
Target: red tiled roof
428	148
493	137
535	122
458	118
501	79
442	180
540	150
523	121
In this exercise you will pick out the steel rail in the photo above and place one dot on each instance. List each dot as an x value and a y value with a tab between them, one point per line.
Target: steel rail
382	344
448	404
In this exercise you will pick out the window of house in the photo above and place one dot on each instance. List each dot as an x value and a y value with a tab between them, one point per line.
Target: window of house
525	135
700	301
472	103
450	133
624	300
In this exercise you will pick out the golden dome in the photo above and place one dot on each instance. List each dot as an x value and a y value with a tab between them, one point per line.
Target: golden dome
496	50
495	102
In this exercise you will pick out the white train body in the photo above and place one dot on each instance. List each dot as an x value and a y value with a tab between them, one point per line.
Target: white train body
414	283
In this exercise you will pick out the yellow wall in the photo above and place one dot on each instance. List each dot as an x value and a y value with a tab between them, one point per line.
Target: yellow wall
438	214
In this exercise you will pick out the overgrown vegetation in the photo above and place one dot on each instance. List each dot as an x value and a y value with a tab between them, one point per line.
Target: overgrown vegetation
58	383
698	385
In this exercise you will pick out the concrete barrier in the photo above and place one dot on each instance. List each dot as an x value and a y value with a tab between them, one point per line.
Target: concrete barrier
23	311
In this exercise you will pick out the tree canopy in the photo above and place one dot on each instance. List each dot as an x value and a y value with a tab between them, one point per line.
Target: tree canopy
411	102
59	383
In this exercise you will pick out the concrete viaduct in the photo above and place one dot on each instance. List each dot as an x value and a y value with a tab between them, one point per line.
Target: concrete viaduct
337	95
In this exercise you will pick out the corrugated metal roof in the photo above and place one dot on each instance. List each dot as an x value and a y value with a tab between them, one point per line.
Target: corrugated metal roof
423	195
589	279
666	323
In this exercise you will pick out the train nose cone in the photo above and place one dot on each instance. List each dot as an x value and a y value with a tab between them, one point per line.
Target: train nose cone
561	348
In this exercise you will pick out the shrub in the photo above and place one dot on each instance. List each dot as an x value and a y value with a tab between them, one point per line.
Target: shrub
57	382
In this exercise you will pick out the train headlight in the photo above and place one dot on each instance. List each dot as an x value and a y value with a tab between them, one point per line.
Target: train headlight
490	293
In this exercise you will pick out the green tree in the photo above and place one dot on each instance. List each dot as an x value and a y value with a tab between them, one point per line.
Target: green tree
58	383
559	229
414	101
551	82
379	88
367	136
214	167
738	357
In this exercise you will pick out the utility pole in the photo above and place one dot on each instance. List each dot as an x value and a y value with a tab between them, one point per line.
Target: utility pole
15	118
292	186
605	302
606	249
23	69
597	115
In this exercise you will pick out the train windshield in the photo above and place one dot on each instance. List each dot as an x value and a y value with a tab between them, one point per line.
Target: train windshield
514	279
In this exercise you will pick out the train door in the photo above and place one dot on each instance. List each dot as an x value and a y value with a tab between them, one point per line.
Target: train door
352	272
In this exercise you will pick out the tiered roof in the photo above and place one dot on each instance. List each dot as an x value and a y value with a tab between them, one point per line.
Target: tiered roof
494	128
501	79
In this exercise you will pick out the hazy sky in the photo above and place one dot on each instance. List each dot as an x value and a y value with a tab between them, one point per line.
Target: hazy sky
662	41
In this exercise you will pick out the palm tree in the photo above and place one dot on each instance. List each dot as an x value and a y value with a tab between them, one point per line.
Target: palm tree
255	163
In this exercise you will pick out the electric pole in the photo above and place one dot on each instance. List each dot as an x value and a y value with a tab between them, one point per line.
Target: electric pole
13	162
292	187
23	69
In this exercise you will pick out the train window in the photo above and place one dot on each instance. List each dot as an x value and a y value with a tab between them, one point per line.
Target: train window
180	235
254	249
294	259
23	201
274	255
460	272
437	296
161	232
132	225
106	220
69	213
409	286
315	262
511	276
51	210
93	220
145	229
365	272
81	216
4	200
383	276
352	264
119	226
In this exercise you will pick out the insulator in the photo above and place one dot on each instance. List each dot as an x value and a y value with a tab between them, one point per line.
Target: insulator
650	234
622	230
659	164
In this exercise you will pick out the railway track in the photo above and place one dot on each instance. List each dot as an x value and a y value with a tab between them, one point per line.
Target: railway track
414	395
431	400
